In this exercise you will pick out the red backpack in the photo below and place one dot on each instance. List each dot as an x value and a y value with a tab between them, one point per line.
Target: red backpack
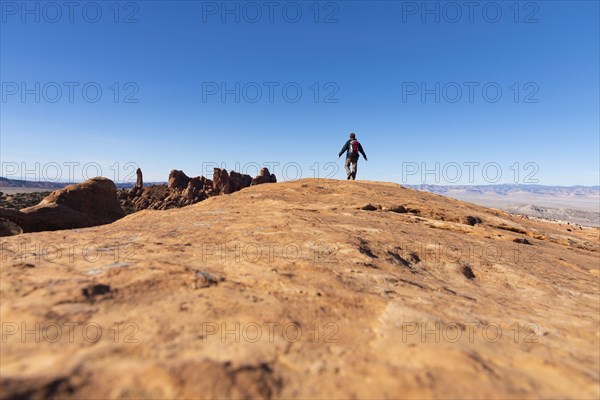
354	147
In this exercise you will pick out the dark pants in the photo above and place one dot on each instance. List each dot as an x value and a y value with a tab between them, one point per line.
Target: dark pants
354	161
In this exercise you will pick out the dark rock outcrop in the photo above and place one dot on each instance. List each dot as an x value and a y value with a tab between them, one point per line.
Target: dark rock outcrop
183	191
264	176
158	197
4	229
226	183
400	209
97	202
91	203
139	183
178	180
471	220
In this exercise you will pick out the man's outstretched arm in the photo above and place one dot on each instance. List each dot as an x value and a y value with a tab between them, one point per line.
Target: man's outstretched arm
362	151
345	148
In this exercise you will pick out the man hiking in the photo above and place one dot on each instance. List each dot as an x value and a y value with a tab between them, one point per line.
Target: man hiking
352	148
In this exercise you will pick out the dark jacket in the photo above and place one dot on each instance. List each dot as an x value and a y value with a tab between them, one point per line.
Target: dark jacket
346	149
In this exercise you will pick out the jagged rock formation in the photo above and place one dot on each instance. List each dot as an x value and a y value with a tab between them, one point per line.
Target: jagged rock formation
139	183
182	190
93	202
264	176
227	183
178	180
404	299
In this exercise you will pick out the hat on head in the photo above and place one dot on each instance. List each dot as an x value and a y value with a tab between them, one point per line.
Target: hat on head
352	136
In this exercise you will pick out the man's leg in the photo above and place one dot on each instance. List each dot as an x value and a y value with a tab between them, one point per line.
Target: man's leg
354	167
348	174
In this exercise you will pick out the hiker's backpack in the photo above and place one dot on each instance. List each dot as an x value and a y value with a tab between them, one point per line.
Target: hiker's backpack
354	147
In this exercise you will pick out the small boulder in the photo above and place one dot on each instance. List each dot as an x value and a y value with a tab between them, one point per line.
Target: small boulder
522	241
468	272
94	290
370	207
471	220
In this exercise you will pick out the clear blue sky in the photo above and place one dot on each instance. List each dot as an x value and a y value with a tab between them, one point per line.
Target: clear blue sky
367	58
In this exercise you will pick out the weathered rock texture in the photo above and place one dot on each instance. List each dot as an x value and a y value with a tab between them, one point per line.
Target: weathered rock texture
264	176
139	183
91	203
178	179
227	183
409	298
183	191
5	229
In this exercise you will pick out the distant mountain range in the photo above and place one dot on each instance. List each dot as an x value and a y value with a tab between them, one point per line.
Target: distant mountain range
507	189
16	183
574	204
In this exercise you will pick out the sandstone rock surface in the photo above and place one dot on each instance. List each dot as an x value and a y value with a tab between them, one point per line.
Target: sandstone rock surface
293	291
91	203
